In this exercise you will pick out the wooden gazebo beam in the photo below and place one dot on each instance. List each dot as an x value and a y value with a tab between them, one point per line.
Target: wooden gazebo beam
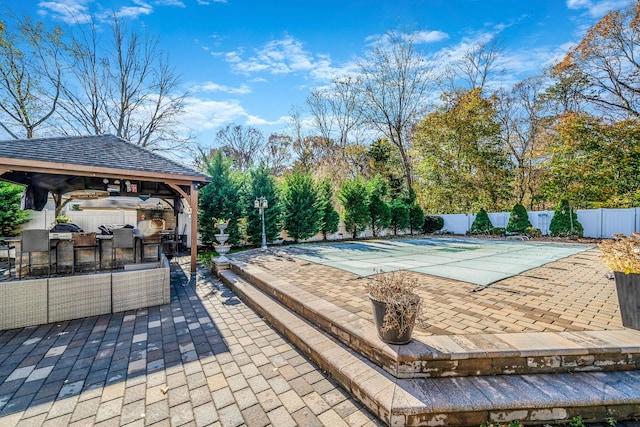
176	182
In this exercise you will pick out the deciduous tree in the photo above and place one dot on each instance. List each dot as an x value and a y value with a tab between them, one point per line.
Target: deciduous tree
396	81
594	163
120	82
524	120
606	63
462	164
243	144
31	66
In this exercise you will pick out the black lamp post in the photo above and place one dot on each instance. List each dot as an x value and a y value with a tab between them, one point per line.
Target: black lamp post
261	203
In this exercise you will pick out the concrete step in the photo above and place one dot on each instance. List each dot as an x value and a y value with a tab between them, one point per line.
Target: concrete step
458	355
457	401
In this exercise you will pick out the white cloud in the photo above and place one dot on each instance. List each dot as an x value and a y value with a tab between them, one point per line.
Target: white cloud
597	8
78	11
68	11
258	121
203	114
178	3
457	52
214	87
417	37
141	8
429	36
283	56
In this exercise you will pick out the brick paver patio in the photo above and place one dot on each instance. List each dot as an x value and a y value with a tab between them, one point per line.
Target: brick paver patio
204	359
571	294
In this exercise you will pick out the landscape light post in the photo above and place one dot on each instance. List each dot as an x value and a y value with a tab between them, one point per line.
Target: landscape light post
261	203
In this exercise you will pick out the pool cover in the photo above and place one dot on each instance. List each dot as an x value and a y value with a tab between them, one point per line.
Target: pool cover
477	261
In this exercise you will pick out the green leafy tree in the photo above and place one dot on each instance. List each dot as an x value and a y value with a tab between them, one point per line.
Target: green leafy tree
301	213
385	161
518	220
461	158
565	221
481	224
594	163
219	199
400	218
354	199
379	212
11	216
329	217
262	184
416	217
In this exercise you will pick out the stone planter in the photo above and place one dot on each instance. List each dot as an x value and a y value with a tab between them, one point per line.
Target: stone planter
628	289
393	335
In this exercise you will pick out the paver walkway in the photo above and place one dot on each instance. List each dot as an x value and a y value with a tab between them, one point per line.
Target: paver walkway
204	359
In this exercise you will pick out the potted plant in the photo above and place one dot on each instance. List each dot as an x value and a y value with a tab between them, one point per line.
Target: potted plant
221	224
62	219
622	255
395	305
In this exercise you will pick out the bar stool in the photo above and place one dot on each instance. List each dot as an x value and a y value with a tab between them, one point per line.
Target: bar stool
123	238
152	240
35	241
84	241
6	248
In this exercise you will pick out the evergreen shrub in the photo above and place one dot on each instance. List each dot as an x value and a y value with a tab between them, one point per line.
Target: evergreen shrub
518	220
482	223
433	223
565	221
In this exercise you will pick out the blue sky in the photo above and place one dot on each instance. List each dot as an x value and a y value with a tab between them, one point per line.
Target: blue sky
249	61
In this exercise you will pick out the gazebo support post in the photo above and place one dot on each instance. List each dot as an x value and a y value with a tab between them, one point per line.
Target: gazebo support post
194	226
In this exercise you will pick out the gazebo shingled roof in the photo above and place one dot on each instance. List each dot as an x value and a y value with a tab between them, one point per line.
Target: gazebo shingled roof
66	164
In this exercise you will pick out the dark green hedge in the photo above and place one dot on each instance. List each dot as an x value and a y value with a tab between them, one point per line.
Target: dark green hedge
433	223
565	221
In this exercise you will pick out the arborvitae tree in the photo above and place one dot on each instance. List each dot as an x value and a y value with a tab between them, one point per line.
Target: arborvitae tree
261	183
416	218
400	219
301	213
354	199
565	221
482	224
379	213
329	217
11	216
219	199
518	220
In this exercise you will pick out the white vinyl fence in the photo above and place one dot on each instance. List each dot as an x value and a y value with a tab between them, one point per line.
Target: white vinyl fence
598	223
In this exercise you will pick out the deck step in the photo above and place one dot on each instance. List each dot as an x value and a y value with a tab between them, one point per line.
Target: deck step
458	355
454	401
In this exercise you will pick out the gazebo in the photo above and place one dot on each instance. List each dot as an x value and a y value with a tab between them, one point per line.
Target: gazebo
105	163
